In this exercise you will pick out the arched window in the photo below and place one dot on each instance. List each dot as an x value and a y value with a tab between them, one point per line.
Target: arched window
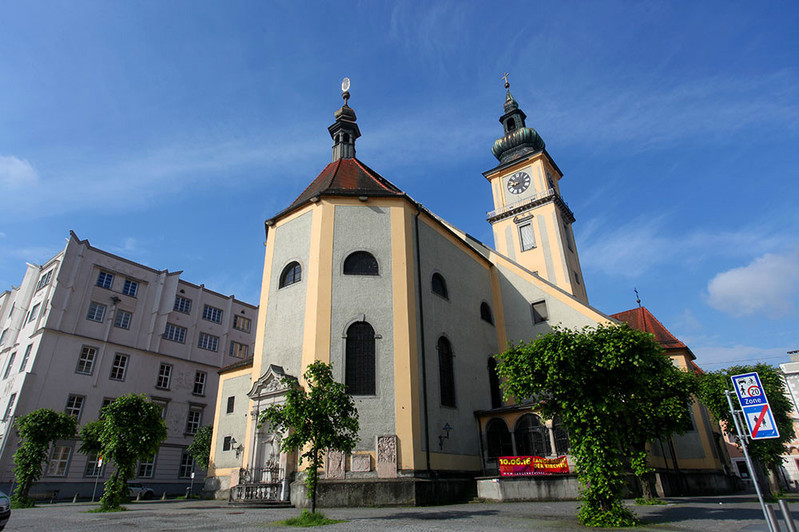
292	273
440	285
561	437
446	372
346	138
532	437
498	439
360	263
511	125
493	382
485	313
360	359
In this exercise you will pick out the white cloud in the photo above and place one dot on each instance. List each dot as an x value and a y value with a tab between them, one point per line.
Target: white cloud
712	357
769	285
16	173
632	249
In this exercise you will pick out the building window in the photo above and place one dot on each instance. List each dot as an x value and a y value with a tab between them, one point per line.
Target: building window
186	465
119	368
239	350
576	278
105	280
106	401
532	437
561	437
146	467
3	336
540	314
241	323
485	313
35	313
360	359
227	443
175	333
493	383
182	305
86	360
526	236
439	285
10	407
130	288
199	383
96	312
93	467
212	314
122	319
44	280
568	234
74	406
209	342
291	274
162	405
25	357
10	363
164	376
360	263
498	439
59	461
231	404
193	420
446	372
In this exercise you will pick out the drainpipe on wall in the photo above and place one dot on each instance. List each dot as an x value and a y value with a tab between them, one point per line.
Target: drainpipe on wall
421	338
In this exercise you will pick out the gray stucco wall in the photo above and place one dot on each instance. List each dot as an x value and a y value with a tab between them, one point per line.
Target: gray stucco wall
285	313
232	424
473	340
359	297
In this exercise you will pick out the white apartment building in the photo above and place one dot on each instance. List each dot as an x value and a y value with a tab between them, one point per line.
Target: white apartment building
89	326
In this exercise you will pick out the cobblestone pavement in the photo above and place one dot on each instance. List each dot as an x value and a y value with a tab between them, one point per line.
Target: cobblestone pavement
727	514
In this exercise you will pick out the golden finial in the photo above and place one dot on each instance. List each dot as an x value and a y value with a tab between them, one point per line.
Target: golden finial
505	77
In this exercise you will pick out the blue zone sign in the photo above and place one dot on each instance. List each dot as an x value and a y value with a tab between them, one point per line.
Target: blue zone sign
754	404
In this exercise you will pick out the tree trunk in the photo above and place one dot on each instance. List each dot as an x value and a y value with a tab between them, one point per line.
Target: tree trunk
648	490
24	489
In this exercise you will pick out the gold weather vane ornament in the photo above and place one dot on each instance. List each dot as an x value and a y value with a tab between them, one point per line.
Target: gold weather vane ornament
637	297
345	89
505	77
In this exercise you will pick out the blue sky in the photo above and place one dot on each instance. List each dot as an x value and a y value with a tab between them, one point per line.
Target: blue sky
168	131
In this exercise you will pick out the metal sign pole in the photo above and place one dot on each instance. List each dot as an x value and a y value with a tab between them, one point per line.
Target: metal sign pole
742	439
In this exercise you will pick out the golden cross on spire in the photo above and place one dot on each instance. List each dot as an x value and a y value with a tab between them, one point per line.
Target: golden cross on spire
505	77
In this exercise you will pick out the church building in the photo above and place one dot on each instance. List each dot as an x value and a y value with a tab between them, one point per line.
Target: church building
409	310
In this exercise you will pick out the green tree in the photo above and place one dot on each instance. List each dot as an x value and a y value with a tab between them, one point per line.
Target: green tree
37	431
200	447
319	419
767	453
129	429
614	389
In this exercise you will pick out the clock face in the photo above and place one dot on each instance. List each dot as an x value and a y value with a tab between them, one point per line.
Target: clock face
518	182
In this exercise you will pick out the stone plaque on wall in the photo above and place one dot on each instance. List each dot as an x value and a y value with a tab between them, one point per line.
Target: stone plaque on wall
234	477
334	465
361	463
387	456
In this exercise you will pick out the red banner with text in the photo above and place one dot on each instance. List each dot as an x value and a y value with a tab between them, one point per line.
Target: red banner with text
517	466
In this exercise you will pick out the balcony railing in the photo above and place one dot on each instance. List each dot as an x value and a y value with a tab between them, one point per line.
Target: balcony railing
521	204
258	484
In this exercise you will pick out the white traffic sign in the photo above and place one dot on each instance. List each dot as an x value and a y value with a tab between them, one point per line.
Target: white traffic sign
754	403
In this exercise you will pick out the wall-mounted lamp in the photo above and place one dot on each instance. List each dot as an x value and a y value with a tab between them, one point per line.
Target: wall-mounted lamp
446	428
238	448
115	299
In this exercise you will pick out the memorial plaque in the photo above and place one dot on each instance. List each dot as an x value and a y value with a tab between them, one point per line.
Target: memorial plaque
387	456
334	465
361	463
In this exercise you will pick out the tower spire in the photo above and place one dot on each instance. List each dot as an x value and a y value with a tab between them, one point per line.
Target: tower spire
518	139
344	130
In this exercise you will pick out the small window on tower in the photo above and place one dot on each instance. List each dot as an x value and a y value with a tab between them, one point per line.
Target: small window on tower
346	138
511	125
540	314
526	236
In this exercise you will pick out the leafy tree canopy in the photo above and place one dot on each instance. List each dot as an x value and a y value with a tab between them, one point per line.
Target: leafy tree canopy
322	417
200	447
37	431
712	386
615	390
129	429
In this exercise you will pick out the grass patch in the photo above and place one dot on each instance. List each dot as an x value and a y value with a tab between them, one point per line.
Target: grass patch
190	497
24	503
306	520
107	510
640	501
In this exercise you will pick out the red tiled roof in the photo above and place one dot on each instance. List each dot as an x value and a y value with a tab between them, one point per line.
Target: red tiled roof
643	320
347	177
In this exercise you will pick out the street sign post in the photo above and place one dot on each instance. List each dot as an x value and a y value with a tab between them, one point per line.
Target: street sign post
754	404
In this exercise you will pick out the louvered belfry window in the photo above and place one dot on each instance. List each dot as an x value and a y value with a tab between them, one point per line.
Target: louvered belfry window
360	359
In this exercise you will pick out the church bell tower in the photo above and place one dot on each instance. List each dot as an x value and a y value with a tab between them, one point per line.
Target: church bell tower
532	224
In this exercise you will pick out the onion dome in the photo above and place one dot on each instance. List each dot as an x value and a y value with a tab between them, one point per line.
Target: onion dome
518	139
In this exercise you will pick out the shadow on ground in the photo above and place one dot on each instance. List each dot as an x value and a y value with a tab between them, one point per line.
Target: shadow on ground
444	514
